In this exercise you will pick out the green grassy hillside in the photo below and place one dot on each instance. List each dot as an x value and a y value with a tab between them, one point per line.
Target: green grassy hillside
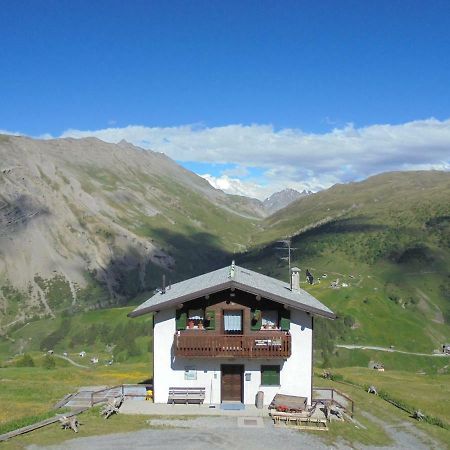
386	240
107	334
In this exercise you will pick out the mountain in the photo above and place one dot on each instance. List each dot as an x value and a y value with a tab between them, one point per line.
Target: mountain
379	251
281	199
84	223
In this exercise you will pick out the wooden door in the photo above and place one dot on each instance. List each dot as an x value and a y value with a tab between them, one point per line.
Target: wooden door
232	380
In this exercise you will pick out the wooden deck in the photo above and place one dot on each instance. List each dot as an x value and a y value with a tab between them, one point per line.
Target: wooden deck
233	346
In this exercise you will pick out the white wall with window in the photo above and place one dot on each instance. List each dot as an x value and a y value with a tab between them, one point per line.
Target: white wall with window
295	375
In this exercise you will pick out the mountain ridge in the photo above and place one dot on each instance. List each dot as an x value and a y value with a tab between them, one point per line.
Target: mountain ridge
85	224
81	214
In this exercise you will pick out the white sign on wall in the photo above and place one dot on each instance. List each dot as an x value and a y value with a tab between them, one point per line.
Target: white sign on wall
190	373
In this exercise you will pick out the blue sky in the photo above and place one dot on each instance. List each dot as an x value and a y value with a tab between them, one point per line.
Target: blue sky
221	74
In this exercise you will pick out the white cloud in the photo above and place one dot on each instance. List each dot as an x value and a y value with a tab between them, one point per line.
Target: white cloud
250	188
237	186
290	156
11	133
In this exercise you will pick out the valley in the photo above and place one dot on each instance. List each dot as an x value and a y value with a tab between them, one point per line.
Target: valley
87	229
87	225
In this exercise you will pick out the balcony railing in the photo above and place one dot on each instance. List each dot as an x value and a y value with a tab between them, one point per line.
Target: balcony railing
233	346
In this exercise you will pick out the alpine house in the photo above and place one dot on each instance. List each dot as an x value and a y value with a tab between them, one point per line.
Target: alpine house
234	332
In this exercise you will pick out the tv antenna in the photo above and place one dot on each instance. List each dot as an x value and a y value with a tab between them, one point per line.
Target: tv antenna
287	246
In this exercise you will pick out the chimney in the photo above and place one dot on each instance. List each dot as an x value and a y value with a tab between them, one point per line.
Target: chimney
295	279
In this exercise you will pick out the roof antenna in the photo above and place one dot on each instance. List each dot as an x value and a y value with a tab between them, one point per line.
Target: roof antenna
163	290
287	246
231	273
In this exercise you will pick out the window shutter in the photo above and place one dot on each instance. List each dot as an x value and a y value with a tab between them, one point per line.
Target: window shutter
181	318
285	320
270	375
211	320
256	319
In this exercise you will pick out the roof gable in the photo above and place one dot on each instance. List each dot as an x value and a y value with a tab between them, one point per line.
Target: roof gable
233	277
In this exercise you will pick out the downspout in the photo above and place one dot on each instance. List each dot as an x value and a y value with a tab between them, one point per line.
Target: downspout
153	355
312	357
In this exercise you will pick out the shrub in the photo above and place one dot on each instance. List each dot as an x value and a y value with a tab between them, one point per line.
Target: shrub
25	361
48	362
349	321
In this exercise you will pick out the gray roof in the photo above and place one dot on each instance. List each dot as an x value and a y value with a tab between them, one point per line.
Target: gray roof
233	277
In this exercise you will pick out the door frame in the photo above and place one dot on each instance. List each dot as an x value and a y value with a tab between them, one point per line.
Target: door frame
242	370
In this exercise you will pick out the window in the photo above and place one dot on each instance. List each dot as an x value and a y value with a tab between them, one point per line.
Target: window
270	375
269	320
195	318
232	322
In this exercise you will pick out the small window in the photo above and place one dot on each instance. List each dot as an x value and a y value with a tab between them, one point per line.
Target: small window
269	320
195	318
232	322
270	375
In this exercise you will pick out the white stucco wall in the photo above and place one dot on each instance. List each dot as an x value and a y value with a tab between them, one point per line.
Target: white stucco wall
295	373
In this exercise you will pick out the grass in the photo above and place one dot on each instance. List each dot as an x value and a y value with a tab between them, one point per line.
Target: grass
429	393
32	391
24	421
37	398
429	365
369	410
29	337
91	425
402	301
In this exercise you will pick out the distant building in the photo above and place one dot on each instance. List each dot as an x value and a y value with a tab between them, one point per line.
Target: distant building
234	332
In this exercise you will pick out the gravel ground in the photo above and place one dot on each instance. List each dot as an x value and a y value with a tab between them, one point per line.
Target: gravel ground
200	433
226	433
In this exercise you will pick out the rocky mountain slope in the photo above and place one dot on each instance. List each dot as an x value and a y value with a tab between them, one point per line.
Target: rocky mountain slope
281	199
84	223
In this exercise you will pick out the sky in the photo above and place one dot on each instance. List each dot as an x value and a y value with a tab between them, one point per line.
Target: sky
255	96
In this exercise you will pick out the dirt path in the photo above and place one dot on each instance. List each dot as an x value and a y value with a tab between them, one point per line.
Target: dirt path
71	361
438	316
385	349
404	434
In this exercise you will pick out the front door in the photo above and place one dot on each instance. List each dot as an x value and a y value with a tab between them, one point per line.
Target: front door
232	381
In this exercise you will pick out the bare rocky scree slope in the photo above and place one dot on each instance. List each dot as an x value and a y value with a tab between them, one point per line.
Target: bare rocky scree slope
77	217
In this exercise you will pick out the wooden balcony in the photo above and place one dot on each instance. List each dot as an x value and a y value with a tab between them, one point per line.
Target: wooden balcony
263	346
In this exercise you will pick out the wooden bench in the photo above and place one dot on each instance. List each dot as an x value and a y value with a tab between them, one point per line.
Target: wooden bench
186	395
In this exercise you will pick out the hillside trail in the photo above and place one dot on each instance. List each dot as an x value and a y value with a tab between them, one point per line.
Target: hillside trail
71	361
385	349
438	316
